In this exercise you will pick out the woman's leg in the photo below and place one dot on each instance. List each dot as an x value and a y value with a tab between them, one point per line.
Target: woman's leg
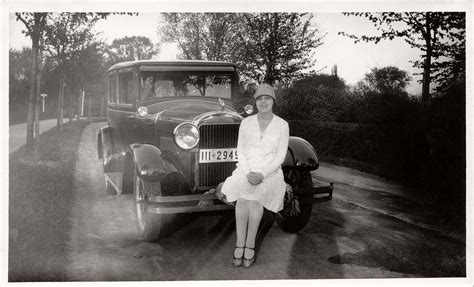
255	215
241	220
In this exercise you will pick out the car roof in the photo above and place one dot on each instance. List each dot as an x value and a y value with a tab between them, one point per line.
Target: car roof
183	64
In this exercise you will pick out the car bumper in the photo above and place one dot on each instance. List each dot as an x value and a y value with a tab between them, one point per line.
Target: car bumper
210	202
186	204
314	194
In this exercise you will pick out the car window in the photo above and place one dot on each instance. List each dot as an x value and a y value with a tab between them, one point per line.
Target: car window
112	89
217	85
156	85
126	88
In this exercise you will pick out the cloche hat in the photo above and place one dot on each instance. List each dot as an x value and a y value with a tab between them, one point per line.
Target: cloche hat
265	90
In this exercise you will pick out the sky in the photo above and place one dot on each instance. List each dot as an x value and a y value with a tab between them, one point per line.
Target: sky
353	60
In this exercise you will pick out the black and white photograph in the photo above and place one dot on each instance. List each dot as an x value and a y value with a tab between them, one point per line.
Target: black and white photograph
245	142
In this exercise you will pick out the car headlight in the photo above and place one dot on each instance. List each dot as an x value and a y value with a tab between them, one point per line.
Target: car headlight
186	135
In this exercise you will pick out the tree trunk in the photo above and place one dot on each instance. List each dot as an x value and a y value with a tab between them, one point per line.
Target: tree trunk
60	102
37	117
426	105
36	33
30	139
38	89
425	92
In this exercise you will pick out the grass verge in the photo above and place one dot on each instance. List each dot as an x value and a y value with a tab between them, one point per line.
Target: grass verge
40	197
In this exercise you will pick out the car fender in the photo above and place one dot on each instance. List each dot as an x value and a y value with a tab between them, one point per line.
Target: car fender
106	150
301	155
105	142
149	162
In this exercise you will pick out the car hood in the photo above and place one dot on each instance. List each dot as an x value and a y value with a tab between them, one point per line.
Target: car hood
193	110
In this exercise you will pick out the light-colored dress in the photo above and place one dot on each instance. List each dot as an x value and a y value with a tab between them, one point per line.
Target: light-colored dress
264	153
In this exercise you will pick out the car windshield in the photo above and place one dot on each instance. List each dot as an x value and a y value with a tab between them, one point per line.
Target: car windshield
159	84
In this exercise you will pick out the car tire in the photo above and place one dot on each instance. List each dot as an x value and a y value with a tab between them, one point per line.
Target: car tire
149	225
296	178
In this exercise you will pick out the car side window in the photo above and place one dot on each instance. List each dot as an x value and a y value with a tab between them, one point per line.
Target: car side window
126	88
112	89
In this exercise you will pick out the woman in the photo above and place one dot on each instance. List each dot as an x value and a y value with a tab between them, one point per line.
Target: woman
257	182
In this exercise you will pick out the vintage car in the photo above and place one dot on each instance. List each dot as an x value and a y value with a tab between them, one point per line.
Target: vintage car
171	138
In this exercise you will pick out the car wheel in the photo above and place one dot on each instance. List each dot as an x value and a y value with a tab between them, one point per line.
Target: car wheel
149	225
296	178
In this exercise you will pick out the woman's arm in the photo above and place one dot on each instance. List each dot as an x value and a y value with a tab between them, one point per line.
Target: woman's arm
243	163
281	152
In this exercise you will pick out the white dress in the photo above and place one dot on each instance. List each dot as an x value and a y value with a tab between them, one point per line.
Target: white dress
260	152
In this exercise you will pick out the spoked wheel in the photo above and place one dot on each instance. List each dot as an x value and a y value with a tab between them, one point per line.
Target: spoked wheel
149	225
296	178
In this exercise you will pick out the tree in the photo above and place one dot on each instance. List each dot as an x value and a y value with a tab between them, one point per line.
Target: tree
440	35
387	80
277	46
267	47
323	97
19	77
35	24
86	72
130	49
441	38
66	35
384	96
220	45
202	36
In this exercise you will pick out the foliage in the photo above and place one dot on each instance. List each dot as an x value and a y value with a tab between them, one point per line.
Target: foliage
70	42
267	47
277	46
88	68
323	97
19	75
18	83
387	80
429	136
444	172
376	127
202	36
382	96
130	49
35	24
439	35
67	35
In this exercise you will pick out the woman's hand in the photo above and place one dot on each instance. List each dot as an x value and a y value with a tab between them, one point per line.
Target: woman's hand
255	178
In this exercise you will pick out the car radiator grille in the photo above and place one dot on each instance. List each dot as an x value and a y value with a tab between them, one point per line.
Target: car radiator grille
216	136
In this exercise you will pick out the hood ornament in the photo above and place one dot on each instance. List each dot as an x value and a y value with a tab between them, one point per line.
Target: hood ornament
221	101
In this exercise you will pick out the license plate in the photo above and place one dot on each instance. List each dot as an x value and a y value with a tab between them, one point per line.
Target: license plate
218	155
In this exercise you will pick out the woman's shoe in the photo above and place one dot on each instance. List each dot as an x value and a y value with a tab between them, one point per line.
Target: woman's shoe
249	262
238	261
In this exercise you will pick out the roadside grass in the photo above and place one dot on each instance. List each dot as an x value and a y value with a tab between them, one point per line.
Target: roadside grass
40	197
